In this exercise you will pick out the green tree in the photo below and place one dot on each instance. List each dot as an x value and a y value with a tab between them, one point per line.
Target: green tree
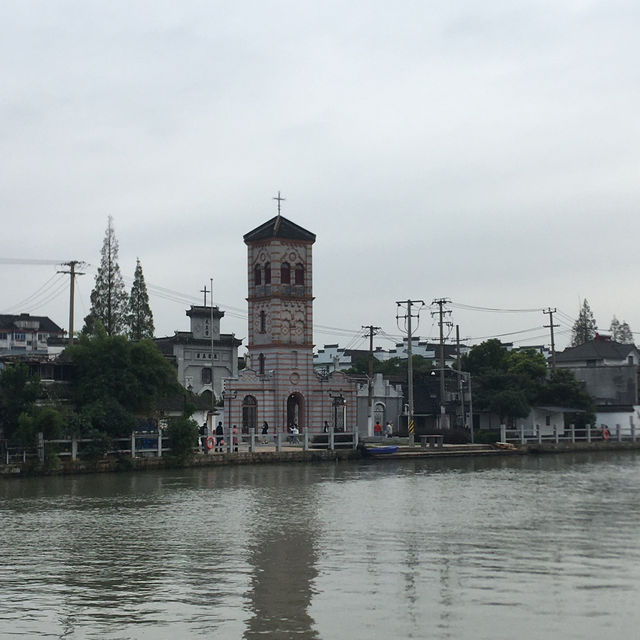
18	393
140	318
183	437
46	420
564	390
585	327
509	383
626	335
115	379
489	355
509	404
620	331
393	367
108	298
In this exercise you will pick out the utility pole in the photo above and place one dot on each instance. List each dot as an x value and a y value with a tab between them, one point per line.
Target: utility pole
407	317
459	367
72	273
213	393
550	326
372	331
441	302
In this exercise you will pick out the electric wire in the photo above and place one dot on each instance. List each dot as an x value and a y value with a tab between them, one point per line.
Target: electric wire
62	286
469	307
27	261
28	299
501	335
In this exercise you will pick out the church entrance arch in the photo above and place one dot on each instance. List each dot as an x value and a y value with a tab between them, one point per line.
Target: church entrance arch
295	410
378	413
249	413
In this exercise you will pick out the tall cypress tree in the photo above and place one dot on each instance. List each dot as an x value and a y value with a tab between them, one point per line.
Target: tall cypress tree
585	327
140	316
109	297
620	331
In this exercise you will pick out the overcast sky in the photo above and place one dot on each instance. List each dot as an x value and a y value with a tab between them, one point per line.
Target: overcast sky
485	152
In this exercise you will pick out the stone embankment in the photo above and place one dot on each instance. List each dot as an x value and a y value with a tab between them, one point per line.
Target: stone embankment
297	455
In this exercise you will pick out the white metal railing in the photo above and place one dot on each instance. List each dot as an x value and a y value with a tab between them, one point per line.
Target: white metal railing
154	444
588	433
254	442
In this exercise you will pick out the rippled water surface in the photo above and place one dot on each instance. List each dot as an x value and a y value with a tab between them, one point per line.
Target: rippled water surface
527	548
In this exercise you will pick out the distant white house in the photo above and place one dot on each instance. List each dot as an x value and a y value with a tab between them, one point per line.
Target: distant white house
26	334
332	357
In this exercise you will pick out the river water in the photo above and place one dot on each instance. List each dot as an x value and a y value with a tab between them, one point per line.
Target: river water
484	548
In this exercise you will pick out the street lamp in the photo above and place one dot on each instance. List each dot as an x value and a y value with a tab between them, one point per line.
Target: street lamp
228	396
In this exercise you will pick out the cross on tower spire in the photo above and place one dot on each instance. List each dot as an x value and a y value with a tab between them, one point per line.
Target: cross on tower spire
205	294
279	199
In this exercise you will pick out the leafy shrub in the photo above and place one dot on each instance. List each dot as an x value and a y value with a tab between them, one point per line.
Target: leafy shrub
183	437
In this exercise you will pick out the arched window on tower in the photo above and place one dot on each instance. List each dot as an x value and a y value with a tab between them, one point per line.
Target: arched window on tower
249	413
299	274
257	275
263	322
261	364
267	273
285	273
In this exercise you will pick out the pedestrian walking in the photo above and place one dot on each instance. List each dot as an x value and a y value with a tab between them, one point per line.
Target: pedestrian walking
377	430
265	432
219	437
235	437
388	429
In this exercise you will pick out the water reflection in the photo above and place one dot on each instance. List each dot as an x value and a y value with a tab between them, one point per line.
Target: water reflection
283	558
442	549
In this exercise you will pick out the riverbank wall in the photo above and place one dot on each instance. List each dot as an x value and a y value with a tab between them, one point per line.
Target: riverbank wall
298	456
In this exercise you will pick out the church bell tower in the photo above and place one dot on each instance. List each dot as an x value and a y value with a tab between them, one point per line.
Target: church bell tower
280	300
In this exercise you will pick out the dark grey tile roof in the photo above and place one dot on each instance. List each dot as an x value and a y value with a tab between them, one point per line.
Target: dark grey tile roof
186	337
46	325
596	350
279	227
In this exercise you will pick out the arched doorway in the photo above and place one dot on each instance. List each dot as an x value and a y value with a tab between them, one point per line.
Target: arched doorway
295	410
249	413
378	413
339	413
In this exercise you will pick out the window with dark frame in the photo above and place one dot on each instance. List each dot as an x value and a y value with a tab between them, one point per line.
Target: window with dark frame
285	273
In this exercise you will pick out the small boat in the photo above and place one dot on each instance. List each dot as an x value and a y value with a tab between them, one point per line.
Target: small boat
381	451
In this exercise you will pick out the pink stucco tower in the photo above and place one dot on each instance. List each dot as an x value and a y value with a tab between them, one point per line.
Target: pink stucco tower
279	384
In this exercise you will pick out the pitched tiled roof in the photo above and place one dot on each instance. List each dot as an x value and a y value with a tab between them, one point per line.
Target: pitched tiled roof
279	227
45	324
596	350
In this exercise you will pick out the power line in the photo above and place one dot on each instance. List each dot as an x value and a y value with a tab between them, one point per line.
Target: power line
469	307
33	295
27	261
501	335
52	295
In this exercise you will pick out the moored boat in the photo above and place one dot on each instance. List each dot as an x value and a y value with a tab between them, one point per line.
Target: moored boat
379	451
